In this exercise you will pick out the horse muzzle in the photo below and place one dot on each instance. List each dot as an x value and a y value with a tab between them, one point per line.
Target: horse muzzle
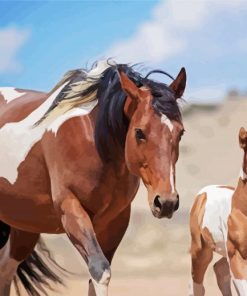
165	207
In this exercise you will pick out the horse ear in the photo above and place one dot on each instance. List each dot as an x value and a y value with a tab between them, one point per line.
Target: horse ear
128	86
132	92
178	85
242	138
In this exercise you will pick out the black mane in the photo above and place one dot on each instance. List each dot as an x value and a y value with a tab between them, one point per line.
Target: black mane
112	124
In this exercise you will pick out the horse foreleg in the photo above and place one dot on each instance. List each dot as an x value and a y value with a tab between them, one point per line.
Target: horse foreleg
222	272
18	247
110	238
80	231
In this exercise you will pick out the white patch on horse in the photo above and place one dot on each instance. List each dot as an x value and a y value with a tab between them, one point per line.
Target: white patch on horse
79	111
165	120
172	179
18	138
217	210
242	174
10	93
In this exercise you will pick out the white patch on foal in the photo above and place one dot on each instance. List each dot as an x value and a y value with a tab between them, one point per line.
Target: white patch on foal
165	120
241	286
217	210
10	93
18	138
196	289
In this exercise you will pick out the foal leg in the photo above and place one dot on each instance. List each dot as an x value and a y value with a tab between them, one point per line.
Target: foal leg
110	238
201	257
237	250
222	272
239	271
238	268
79	228
19	245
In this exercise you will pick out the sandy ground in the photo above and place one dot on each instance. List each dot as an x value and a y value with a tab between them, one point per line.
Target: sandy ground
153	258
139	286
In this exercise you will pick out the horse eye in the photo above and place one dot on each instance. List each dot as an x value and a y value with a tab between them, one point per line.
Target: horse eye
140	135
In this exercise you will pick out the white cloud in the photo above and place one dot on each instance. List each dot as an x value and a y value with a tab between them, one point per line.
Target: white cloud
11	41
165	34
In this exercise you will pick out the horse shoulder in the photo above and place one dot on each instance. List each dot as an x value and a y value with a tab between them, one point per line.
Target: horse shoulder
71	155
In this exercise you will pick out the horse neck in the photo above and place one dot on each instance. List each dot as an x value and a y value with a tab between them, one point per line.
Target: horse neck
119	164
239	200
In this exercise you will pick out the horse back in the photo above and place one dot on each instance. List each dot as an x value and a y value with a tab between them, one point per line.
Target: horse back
16	104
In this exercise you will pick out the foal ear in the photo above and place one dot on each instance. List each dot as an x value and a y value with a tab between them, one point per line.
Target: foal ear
178	85
132	92
242	138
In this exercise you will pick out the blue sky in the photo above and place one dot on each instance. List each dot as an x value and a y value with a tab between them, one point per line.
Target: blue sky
39	41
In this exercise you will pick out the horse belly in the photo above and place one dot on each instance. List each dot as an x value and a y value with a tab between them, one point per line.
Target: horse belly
30	213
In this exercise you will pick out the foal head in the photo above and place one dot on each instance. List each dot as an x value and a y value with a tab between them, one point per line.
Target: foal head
243	145
152	140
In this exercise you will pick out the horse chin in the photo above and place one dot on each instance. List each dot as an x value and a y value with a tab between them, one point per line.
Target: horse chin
161	215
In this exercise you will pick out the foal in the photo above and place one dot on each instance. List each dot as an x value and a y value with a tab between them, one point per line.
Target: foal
209	233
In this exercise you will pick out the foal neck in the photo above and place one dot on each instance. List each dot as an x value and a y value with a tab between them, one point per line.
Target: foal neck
239	199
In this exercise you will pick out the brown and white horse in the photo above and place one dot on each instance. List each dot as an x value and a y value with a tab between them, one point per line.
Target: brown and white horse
71	161
218	223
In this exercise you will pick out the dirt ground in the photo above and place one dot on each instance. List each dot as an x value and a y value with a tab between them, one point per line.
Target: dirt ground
139	286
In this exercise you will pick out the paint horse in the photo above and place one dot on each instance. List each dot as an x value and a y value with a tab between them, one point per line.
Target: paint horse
213	230
71	161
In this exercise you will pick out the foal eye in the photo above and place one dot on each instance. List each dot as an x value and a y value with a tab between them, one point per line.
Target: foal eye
181	134
140	135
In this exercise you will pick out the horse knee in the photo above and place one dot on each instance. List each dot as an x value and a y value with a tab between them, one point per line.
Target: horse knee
221	267
100	270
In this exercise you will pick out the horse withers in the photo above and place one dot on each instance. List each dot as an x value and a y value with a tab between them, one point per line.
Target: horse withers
218	224
71	161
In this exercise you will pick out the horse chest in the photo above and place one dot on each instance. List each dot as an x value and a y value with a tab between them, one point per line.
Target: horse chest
106	190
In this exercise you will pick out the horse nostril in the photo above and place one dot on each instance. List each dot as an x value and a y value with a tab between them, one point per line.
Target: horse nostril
157	202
